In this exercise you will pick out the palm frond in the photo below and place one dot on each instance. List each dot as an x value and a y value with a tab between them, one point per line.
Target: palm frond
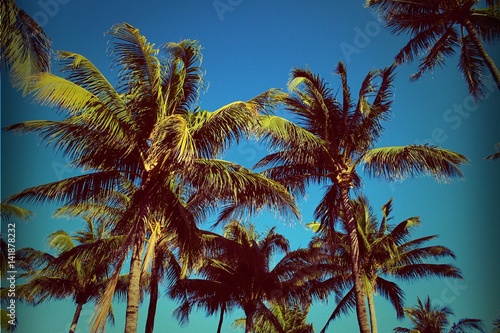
472	65
400	162
9	211
25	47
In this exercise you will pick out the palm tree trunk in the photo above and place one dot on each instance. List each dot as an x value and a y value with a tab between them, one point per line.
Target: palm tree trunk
486	57
133	292
249	320
345	185
76	316
373	317
153	299
221	319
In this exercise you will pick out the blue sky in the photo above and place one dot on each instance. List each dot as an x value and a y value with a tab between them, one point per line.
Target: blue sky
249	47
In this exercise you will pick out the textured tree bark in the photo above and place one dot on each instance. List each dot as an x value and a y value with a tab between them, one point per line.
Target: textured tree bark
344	183
133	292
373	316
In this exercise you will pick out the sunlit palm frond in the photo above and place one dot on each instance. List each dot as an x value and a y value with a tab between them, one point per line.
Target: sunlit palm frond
187	60
242	189
137	59
70	190
394	163
11	211
25	48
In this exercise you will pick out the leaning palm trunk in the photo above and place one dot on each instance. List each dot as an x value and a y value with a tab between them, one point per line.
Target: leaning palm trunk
221	319
373	317
76	316
486	57
361	312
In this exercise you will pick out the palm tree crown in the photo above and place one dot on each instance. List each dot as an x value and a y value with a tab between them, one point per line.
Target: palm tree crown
332	139
427	318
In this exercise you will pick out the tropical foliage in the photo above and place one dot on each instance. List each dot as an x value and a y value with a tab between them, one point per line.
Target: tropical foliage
24	47
153	173
428	318
237	272
439	28
386	252
148	140
332	139
70	274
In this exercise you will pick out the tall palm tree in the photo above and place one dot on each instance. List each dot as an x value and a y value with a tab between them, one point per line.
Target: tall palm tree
149	132
385	251
24	47
237	273
67	274
332	139
426	318
438	28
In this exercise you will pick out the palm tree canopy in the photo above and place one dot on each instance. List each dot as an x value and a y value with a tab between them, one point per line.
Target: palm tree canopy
428	318
439	28
385	251
334	135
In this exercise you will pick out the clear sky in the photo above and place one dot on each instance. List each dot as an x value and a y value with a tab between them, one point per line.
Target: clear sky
249	47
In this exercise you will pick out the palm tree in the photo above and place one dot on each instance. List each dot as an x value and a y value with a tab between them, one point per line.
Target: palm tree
24	47
67	274
332	139
148	132
438	28
385	251
237	273
7	212
292	319
426	318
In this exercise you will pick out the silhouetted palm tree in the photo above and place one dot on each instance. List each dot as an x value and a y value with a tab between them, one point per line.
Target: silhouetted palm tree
333	139
24	47
439	27
80	269
148	132
237	273
385	251
426	318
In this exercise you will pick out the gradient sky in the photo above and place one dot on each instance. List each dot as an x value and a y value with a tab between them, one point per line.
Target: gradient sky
249	47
